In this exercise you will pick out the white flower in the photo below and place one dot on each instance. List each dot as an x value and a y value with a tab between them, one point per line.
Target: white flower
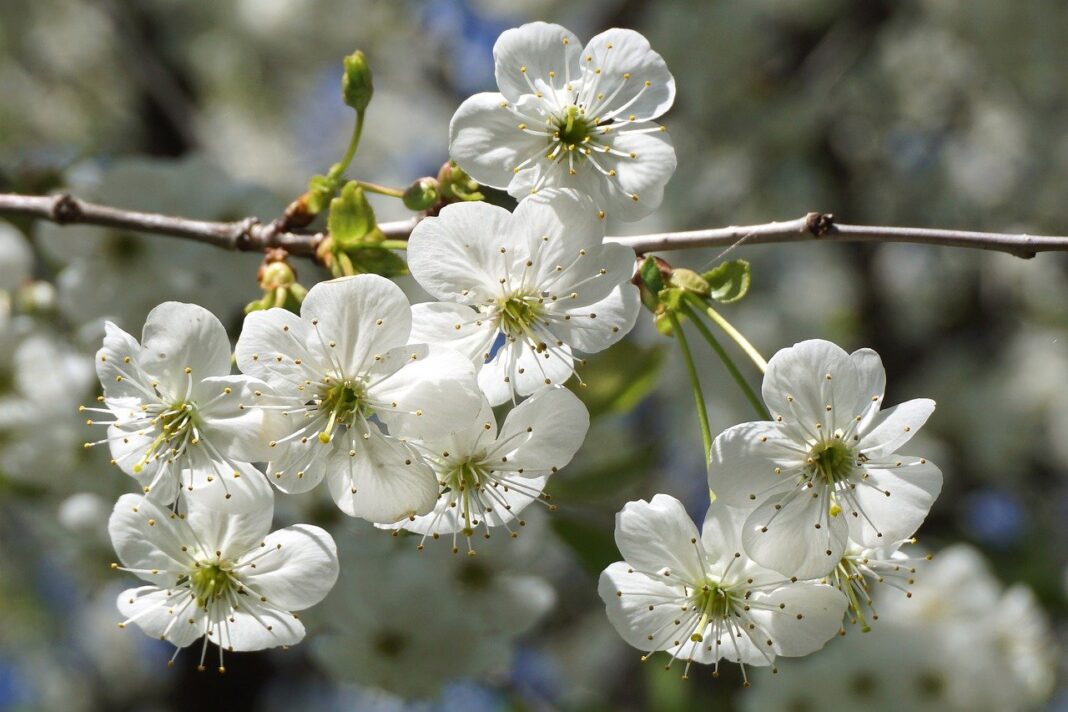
861	567
699	597
826	468
521	291
570	117
180	418
339	372
487	478
219	575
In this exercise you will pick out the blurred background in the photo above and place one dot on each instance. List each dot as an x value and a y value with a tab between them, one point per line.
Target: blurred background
947	113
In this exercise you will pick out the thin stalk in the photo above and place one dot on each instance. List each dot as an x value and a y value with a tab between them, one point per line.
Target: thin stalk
695	382
381	189
350	152
392	244
732	369
729	329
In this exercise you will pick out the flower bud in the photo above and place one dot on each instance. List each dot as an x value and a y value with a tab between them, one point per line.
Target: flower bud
455	185
356	84
421	194
688	280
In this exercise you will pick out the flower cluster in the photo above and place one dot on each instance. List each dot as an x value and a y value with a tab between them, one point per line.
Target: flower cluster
810	509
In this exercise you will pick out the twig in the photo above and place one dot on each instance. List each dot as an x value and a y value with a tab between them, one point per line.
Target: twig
252	235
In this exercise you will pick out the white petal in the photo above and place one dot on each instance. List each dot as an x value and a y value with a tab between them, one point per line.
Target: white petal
589	280
485	139
506	502
787	540
256	626
148	536
534	371
118	365
596	327
913	485
238	431
456	255
168	614
557	226
223	484
543	433
361	316
300	466
496	377
229	534
272	341
629	613
539	48
616	52
803	380
385	481
457	326
811	615
658	537
178	336
744	459
721	533
871	380
431	395
294	569
647	164
894	427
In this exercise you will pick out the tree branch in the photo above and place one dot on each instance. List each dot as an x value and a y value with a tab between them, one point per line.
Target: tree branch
252	235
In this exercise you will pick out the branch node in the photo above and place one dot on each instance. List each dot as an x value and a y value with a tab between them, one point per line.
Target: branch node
819	224
65	209
242	236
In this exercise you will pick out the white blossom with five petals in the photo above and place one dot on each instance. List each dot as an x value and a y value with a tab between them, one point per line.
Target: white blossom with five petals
701	599
520	292
826	468
219	576
571	117
487	478
180	418
351	393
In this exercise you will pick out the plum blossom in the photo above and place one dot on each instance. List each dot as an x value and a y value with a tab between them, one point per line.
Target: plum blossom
487	478
826	468
181	421
350	393
573	117
521	292
701	599
218	575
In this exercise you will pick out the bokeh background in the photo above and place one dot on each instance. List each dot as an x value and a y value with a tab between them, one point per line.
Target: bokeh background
948	113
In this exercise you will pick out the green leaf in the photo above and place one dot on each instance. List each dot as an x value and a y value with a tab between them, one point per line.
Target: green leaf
320	190
728	281
351	216
377	260
592	543
689	280
651	277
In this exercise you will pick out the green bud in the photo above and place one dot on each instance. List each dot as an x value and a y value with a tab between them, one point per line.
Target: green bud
320	190
351	217
421	194
356	84
689	280
455	185
275	275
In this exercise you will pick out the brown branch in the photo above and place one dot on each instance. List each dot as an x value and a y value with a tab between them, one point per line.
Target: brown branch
252	235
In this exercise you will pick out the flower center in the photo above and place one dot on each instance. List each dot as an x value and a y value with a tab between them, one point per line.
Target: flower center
344	401
210	582
831	461
464	482
517	315
572	128
714	603
175	427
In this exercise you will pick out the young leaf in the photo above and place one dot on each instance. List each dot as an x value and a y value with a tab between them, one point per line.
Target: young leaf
351	216
729	281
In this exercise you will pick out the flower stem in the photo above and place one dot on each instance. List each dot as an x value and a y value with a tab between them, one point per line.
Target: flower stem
392	244
747	390
695	382
338	168
381	189
722	323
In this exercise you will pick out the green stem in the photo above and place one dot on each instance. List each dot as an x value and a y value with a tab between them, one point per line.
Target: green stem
747	390
722	323
350	152
698	396
381	189
393	244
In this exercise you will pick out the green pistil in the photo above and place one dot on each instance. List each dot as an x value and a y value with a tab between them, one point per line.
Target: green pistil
714	603
344	401
518	315
209	583
174	424
572	128
464	479
833	461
